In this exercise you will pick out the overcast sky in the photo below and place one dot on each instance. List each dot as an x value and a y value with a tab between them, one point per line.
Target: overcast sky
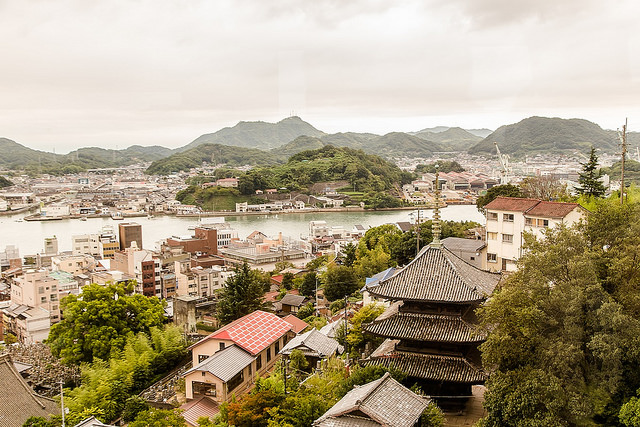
122	72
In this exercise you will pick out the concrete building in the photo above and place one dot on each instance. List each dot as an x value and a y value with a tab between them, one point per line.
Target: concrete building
508	218
35	288
130	232
29	324
204	241
143	265
74	264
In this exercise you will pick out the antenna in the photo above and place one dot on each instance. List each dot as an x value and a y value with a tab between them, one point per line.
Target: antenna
623	140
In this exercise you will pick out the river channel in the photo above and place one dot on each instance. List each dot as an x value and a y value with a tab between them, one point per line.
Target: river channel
29	236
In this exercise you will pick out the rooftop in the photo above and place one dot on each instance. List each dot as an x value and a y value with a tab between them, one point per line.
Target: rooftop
253	332
313	343
532	207
226	363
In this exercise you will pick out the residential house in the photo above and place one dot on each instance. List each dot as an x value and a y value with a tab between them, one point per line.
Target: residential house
227	361
314	346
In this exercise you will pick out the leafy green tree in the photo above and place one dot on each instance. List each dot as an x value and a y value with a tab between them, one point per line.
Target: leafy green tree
242	294
349	254
355	337
97	324
298	362
563	336
339	281
372	261
630	412
432	416
308	286
306	311
589	178
506	190
133	406
444	166
159	418
287	280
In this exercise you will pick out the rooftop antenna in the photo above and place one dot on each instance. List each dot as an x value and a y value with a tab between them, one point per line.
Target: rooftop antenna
623	140
435	224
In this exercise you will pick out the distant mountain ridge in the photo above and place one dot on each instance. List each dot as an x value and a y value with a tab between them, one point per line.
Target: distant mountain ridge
547	135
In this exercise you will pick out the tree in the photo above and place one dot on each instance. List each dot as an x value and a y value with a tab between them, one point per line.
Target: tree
242	294
287	280
630	412
349	254
306	311
506	190
159	418
366	314
444	166
308	286
97	324
543	188
589	178
339	282
562	337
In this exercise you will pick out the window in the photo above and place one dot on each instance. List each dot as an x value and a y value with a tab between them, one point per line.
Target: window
492	216
221	346
472	258
285	339
249	369
41	290
202	357
543	222
507	217
492	257
507	238
43	299
235	381
259	362
529	221
492	236
277	347
268	354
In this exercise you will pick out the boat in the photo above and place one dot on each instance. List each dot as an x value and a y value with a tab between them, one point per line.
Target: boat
83	218
117	216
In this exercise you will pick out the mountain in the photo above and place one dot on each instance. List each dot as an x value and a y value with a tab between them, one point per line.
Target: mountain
301	143
14	155
399	144
261	135
482	133
212	153
101	157
543	135
452	139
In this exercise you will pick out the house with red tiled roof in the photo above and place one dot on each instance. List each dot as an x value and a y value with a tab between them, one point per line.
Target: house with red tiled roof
226	362
299	325
508	218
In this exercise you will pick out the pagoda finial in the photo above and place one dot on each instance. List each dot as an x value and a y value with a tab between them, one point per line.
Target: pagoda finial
435	224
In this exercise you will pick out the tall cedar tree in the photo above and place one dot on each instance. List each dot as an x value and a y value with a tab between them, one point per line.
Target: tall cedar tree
589	178
242	294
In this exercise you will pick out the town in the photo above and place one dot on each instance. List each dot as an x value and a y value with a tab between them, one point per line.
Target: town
246	310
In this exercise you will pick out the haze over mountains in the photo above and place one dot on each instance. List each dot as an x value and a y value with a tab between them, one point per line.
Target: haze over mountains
271	143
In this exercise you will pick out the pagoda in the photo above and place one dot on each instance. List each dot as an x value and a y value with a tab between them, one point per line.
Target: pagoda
430	327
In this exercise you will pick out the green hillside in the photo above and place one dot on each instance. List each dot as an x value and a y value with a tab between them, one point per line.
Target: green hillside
543	135
301	143
399	144
260	135
212	153
452	139
631	171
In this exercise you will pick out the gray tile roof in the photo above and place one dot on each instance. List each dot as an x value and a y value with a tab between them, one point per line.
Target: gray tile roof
460	244
437	275
385	401
433	367
425	327
347	421
292	300
225	364
313	343
19	401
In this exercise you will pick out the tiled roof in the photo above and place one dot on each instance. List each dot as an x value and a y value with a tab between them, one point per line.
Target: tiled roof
513	204
313	343
346	421
226	363
253	332
436	274
432	367
92	422
552	209
292	300
19	401
425	327
461	244
299	325
385	401
532	207
202	407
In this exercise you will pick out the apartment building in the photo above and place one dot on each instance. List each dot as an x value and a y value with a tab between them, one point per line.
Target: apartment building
508	218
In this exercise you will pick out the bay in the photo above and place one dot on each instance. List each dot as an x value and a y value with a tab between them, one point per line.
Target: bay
29	236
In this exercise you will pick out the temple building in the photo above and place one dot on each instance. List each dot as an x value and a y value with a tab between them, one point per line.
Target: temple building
429	328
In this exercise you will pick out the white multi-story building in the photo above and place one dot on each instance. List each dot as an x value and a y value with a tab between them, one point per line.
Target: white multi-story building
508	218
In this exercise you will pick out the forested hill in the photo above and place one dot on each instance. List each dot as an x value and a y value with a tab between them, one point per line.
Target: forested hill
540	135
214	154
366	172
260	135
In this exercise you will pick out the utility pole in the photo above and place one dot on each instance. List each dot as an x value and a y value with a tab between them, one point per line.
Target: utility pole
418	232
62	402
346	329
623	140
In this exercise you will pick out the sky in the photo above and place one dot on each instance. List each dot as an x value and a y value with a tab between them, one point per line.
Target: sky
116	73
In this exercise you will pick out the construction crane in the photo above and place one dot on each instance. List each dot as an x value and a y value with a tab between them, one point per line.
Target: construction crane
504	163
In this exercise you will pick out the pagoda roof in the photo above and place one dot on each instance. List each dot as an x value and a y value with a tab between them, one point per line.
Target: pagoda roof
425	327
438	275
432	367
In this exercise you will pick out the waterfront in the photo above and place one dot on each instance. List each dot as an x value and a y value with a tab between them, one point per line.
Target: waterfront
29	236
